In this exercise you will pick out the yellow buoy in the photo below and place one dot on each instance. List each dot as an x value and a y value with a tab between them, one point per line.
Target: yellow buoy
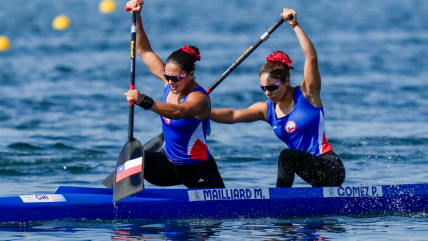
4	43
61	22
107	6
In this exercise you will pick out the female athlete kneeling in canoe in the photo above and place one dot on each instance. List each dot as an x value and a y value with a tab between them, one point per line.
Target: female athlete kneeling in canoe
184	112
296	115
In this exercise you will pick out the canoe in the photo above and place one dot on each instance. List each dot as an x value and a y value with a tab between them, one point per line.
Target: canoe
230	203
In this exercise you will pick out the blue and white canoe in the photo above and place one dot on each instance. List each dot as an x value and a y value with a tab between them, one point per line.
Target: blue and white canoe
230	203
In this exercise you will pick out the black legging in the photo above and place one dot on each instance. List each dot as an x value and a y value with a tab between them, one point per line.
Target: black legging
160	171
319	171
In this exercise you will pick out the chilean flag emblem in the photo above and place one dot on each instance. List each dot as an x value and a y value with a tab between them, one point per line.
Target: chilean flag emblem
129	168
290	127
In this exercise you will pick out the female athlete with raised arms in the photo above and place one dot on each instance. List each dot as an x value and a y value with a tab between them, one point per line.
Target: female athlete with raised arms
296	115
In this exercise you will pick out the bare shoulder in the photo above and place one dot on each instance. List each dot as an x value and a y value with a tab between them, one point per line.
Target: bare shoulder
198	96
259	108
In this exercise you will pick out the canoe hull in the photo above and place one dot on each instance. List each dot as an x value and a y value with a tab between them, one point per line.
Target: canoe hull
96	203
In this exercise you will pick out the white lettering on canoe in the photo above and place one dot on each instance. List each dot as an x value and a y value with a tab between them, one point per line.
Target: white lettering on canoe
228	194
350	191
50	198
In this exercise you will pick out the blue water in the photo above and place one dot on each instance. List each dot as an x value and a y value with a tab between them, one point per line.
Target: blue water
63	116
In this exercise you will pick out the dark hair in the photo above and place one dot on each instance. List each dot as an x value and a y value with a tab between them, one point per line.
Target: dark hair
183	59
276	69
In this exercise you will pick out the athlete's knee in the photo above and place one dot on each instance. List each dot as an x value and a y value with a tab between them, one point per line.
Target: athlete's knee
286	156
338	175
337	178
287	152
341	176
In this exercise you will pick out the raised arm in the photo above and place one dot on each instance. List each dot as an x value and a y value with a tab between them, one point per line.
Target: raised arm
143	47
311	84
253	113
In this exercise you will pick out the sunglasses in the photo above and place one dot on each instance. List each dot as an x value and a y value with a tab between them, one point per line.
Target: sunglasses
173	78
270	87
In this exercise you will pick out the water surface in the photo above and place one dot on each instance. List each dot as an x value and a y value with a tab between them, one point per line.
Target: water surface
63	117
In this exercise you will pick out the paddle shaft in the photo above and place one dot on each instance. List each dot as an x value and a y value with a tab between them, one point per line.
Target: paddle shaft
132	81
263	38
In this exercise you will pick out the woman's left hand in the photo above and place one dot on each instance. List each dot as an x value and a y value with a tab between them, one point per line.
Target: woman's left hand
287	12
134	5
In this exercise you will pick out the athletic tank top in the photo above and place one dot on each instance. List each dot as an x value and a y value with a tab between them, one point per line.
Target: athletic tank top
185	139
303	128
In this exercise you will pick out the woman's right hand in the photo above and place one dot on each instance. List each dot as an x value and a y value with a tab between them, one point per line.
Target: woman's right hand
135	5
134	95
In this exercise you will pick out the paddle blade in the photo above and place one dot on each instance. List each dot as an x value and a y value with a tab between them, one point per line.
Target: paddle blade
109	181
155	145
129	173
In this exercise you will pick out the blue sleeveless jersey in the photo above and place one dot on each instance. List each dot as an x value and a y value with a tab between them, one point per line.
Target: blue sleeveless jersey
185	139
303	128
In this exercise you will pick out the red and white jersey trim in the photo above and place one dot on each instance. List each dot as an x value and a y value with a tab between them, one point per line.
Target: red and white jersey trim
197	147
323	144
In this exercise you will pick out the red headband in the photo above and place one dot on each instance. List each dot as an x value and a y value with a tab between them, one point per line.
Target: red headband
196	57
280	57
